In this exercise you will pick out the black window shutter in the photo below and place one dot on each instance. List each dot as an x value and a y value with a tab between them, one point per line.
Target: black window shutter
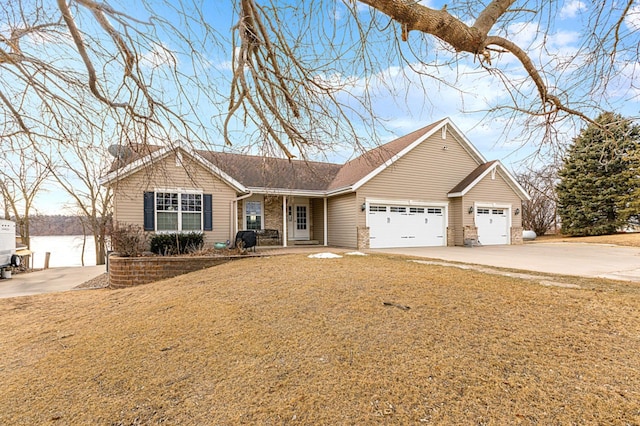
149	211
208	212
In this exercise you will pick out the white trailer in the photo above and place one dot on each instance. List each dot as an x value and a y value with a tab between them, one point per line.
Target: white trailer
8	255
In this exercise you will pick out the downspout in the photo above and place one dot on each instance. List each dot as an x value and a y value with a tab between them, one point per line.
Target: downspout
326	221
284	221
234	215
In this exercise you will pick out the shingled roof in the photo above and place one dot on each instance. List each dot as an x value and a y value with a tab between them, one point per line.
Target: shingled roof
253	172
358	168
471	177
275	173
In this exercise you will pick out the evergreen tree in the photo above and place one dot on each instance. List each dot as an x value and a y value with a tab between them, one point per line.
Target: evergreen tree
599	181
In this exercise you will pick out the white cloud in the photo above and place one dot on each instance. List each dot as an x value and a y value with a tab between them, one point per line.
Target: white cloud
633	18
625	84
159	55
405	101
523	33
571	9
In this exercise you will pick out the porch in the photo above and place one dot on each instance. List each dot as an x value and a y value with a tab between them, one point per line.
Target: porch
283	220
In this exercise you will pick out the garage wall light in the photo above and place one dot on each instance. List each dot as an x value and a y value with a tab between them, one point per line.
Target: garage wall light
363	207
517	212
471	210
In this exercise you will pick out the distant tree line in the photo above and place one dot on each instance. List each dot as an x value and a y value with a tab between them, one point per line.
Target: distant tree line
43	225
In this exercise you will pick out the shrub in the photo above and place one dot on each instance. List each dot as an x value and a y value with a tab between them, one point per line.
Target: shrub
176	243
128	240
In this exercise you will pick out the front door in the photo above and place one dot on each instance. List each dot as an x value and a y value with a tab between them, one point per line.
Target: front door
301	224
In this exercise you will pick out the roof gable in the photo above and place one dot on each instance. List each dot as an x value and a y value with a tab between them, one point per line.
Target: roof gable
473	178
149	154
242	172
247	173
360	170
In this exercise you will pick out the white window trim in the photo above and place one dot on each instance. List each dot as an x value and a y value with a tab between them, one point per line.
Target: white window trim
178	191
244	212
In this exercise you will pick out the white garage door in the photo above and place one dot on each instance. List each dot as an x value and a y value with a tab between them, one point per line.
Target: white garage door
493	226
406	226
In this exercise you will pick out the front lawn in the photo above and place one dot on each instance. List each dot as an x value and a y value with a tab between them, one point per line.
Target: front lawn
294	340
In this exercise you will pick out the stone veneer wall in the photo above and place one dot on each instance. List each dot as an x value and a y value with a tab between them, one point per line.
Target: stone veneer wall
516	235
451	237
132	271
363	237
470	233
272	213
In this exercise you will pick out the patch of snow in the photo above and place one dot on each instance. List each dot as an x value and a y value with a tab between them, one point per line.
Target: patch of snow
324	256
356	253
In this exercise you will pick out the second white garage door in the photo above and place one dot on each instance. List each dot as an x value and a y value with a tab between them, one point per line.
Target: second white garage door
406	226
493	226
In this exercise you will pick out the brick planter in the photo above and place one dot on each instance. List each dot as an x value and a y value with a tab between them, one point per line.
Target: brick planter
131	271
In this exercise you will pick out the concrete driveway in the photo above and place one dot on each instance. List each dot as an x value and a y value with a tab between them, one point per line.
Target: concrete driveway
48	280
587	260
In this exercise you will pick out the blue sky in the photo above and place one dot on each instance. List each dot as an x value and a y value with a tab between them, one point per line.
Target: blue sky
403	99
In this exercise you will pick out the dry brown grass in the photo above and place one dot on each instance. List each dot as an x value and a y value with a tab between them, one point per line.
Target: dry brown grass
293	340
630	239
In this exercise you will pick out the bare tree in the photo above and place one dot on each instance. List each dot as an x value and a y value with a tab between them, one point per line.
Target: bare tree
540	213
22	177
78	170
302	75
281	68
78	62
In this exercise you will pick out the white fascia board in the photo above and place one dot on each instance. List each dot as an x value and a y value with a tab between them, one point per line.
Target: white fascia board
286	191
511	181
466	143
396	157
340	191
419	203
475	182
140	163
134	166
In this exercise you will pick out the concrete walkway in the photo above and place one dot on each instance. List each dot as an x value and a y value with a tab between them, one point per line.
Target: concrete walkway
48	280
586	260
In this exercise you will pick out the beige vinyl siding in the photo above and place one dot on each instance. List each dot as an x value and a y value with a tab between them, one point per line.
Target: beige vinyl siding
342	221
317	209
427	173
455	220
128	193
493	191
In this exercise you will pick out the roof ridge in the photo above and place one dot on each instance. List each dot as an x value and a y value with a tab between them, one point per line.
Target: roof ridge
268	157
359	167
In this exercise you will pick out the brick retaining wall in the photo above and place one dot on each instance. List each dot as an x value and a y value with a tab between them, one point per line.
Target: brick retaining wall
132	271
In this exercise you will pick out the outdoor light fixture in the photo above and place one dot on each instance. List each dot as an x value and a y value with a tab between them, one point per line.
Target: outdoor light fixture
517	212
363	207
471	210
